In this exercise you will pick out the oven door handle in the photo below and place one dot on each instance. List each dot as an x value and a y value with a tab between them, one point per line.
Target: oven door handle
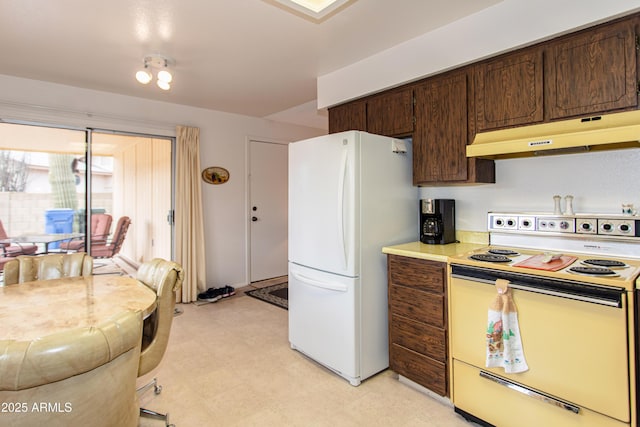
584	298
531	393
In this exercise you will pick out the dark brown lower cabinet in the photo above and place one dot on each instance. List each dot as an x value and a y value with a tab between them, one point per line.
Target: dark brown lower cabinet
418	321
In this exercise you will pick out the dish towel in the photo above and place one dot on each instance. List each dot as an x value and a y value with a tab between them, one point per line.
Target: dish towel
504	344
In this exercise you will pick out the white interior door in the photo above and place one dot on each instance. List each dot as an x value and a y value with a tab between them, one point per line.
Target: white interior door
268	211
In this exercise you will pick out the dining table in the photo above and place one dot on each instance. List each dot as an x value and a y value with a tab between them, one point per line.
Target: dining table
44	239
31	310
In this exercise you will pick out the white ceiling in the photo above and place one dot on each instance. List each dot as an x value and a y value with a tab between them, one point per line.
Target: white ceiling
251	57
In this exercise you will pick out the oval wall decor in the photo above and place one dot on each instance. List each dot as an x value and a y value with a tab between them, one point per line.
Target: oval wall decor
215	175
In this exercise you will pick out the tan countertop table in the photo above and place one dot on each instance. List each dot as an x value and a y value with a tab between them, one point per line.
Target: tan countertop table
34	309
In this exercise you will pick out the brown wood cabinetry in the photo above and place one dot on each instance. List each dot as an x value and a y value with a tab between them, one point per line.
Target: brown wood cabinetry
441	133
590	72
391	113
418	321
509	90
440	139
593	71
350	116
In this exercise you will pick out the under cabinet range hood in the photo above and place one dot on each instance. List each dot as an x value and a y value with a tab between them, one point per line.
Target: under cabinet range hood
604	132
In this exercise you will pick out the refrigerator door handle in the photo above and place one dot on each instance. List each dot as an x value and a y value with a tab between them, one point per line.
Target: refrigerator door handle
341	191
318	284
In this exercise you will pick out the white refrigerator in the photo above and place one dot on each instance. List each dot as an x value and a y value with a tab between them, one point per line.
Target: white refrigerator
350	194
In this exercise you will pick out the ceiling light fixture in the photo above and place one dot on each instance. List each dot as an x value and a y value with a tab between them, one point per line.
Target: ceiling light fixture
317	9
161	63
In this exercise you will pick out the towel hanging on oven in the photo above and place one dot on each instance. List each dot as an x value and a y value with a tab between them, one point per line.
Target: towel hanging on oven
504	344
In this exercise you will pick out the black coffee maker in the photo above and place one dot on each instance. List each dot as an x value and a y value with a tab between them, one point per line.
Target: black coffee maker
437	221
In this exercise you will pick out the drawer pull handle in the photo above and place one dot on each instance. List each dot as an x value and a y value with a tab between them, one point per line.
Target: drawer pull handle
531	393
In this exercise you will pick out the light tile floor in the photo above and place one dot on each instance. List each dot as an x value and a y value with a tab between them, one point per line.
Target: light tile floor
229	364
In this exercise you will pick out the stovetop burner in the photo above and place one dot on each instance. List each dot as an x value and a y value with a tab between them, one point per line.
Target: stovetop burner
593	271
505	252
490	258
605	263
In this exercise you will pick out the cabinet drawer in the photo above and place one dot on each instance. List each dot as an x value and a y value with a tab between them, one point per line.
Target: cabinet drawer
419	305
425	371
419	337
417	273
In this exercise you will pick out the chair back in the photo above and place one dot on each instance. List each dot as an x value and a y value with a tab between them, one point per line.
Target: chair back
111	249
100	227
3	232
45	267
90	371
164	278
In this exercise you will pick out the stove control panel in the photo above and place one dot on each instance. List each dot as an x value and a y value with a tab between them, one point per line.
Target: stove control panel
585	224
617	227
559	225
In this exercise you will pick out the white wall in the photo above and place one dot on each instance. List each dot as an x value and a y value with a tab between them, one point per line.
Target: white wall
223	138
599	182
502	27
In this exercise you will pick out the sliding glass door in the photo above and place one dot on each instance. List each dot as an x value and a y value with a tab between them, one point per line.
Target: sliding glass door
49	176
41	187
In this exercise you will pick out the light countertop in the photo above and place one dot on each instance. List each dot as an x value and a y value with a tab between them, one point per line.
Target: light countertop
431	252
471	240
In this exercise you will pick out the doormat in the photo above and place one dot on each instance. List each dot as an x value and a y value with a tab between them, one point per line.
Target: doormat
276	294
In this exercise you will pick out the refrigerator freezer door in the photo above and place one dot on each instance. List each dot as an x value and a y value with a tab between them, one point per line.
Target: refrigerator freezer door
323	203
323	319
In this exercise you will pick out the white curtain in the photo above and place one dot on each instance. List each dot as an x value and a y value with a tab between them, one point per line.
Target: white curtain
189	245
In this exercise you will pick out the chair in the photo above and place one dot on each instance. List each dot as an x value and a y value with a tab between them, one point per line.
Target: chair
111	248
15	249
100	229
164	278
83	377
4	260
45	267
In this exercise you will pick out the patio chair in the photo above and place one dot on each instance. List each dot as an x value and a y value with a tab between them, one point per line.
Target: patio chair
112	247
14	249
100	229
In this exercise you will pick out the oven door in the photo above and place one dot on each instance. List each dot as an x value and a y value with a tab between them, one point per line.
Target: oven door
575	343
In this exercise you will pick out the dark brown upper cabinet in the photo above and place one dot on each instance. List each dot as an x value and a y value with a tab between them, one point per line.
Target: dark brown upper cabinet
391	113
440	139
509	90
349	116
593	71
444	125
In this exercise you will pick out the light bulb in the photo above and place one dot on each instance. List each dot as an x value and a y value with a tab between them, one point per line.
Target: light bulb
163	85
165	76
144	76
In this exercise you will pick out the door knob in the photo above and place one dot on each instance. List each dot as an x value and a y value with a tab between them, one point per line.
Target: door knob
254	218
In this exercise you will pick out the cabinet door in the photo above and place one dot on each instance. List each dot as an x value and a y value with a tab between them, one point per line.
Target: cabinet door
391	114
350	116
592	72
509	91
440	137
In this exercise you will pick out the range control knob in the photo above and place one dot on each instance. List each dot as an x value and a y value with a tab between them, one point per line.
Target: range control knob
606	227
511	222
586	226
624	228
564	225
499	222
